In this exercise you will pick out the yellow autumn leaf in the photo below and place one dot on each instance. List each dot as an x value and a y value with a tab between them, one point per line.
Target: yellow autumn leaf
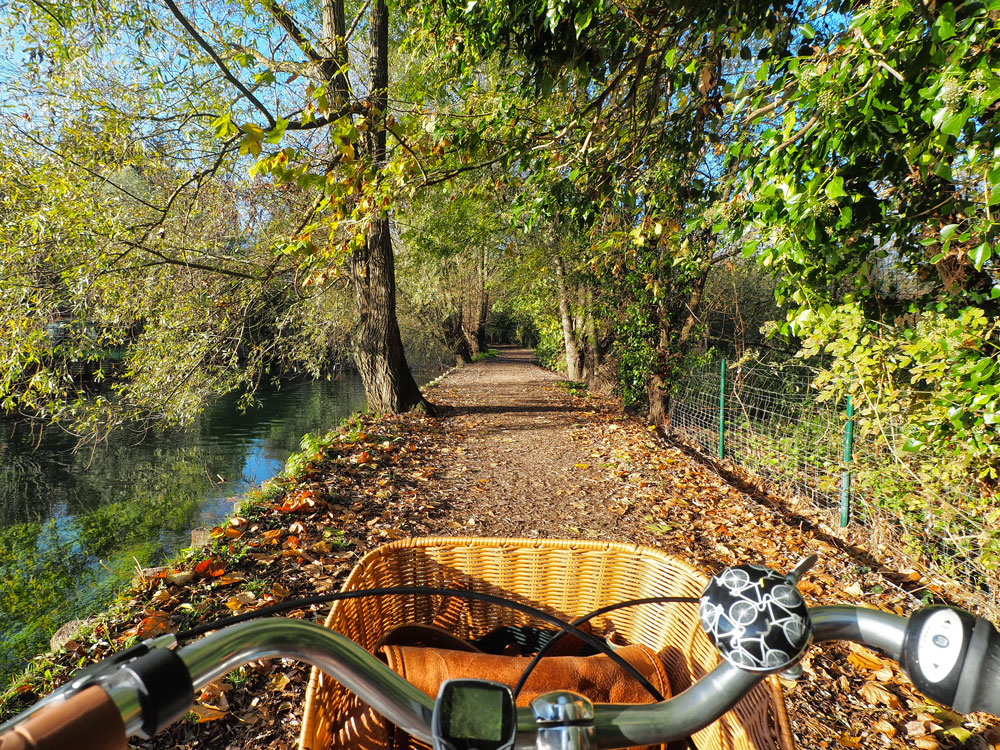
205	713
864	659
278	682
877	695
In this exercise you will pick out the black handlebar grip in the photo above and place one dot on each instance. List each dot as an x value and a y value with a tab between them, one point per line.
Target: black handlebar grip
979	684
953	658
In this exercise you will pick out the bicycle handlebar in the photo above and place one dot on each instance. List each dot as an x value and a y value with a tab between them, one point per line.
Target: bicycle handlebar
88	720
144	695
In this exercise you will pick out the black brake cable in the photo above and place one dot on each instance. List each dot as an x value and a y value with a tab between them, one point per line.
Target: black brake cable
607	648
564	627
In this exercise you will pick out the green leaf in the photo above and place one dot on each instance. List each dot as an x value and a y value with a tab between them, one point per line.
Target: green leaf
943	170
944	24
953	125
947	231
807	31
253	131
912	445
250	145
835	188
980	254
223	126
274	134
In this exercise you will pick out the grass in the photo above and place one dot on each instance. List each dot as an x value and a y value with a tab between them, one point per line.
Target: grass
574	387
488	354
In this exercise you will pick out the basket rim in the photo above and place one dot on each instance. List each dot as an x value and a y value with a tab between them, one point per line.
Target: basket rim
499	542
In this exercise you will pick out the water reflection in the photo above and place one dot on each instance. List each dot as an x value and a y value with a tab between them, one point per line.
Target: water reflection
73	525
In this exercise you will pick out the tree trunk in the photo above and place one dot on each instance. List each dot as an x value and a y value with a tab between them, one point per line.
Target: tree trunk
484	306
454	335
569	335
657	390
389	384
334	30
593	354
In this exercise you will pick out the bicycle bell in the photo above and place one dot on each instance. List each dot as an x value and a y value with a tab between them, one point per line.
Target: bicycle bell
756	617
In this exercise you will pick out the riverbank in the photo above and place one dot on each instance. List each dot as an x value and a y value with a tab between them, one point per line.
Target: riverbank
512	453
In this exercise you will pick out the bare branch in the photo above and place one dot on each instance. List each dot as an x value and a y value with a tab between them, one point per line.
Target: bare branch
218	61
405	145
286	22
357	18
183	263
42	7
878	55
197	177
810	124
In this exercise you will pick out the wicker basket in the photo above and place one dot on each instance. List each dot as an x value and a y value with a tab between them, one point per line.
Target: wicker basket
566	578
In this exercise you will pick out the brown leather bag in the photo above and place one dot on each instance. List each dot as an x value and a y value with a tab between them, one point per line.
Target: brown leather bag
597	677
427	656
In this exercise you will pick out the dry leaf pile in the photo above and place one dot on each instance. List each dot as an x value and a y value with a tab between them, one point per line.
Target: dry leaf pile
513	454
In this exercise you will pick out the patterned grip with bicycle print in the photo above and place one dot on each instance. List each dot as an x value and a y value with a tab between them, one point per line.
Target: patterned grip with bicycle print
756	618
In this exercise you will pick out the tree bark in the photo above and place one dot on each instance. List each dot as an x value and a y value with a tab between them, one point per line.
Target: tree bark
484	305
593	353
334	30
657	389
569	334
454	335
389	384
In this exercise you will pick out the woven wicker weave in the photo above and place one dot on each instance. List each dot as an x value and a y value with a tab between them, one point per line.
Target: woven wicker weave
566	578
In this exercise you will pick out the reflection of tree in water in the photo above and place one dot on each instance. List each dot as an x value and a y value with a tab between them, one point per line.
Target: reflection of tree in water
53	571
72	524
22	478
36	587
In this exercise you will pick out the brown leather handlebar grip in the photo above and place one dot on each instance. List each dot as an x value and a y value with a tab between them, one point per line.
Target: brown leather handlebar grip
88	721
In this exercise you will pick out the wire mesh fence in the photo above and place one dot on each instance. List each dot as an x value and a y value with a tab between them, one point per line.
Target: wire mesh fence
768	420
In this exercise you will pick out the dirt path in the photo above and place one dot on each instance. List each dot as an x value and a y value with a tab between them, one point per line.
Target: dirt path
525	460
521	456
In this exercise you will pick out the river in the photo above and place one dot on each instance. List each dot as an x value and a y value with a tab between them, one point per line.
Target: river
74	525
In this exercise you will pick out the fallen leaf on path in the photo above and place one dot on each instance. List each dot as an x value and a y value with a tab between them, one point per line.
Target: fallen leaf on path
864	659
278	682
879	696
206	713
157	623
241	600
885	728
210	568
280	592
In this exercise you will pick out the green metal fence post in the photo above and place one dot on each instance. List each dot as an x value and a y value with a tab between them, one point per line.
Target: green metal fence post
845	480
722	410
